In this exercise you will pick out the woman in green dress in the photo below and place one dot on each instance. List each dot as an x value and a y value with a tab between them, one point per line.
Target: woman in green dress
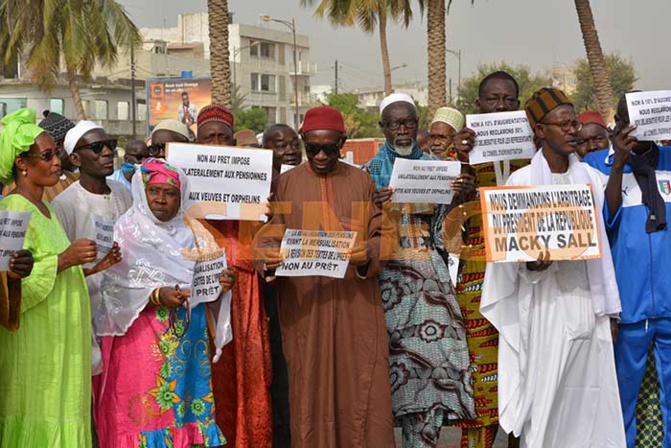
45	366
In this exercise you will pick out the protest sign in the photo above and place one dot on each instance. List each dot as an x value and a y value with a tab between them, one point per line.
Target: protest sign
13	227
520	223
237	178
103	228
284	168
206	273
651	113
423	181
315	252
501	136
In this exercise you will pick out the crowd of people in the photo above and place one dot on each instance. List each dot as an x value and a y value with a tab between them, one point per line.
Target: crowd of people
107	349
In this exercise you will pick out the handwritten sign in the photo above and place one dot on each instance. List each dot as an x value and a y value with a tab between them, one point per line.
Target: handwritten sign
651	112
501	136
13	227
236	178
423	181
315	253
520	223
205	286
103	228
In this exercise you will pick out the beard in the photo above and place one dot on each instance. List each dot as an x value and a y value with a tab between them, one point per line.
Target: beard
404	150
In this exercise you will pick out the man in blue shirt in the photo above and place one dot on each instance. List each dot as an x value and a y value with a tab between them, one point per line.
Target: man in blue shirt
638	204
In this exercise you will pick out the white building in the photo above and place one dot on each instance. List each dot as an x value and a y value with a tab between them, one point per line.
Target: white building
261	66
261	62
370	98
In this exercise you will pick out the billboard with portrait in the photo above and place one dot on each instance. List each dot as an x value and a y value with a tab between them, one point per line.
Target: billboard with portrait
176	98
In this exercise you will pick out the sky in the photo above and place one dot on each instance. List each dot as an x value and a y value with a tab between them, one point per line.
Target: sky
537	33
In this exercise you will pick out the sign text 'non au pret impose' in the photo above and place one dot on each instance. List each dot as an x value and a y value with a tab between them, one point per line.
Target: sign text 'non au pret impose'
227	182
423	181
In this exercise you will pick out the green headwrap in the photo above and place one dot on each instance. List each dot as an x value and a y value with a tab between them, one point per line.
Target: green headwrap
18	134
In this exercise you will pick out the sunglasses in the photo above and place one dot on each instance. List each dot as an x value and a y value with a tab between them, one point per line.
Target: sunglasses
47	156
156	149
330	149
97	147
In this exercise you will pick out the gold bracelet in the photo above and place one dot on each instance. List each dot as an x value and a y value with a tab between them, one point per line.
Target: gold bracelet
154	298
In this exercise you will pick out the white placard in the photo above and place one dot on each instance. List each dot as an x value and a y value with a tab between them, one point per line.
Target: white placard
520	223
284	168
103	227
453	267
315	253
13	227
206	273
226	182
651	113
501	136
423	181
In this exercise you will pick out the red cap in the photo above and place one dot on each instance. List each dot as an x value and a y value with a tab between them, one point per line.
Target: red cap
323	118
591	116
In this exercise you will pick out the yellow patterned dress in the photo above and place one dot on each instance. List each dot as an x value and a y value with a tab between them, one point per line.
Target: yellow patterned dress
482	337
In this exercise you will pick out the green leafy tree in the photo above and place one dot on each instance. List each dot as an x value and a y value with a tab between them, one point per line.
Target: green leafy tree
255	118
79	33
621	75
359	123
529	82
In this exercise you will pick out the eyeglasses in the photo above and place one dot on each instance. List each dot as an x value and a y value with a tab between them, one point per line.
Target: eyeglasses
567	125
97	147
156	149
47	155
330	149
409	123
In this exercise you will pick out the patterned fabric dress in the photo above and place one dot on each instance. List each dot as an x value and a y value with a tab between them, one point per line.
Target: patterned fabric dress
428	356
482	337
156	389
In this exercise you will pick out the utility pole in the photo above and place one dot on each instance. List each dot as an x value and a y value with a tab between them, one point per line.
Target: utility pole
132	90
335	89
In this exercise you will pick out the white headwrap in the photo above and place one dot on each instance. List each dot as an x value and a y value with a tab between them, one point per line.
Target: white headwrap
396	98
172	125
74	134
154	256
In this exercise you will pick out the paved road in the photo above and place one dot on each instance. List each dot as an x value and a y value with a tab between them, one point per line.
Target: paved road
450	438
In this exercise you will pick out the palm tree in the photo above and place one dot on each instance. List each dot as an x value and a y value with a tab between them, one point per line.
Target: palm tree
220	67
78	33
369	15
596	60
435	27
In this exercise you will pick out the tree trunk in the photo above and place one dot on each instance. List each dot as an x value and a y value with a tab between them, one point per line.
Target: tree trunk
435	26
596	60
384	50
76	96
220	69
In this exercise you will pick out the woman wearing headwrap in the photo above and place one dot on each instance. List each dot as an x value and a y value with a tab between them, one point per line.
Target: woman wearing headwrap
155	389
45	367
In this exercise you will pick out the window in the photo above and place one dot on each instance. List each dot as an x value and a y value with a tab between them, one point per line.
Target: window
263	83
263	49
267	50
141	109
9	105
102	110
56	105
123	110
267	83
86	105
